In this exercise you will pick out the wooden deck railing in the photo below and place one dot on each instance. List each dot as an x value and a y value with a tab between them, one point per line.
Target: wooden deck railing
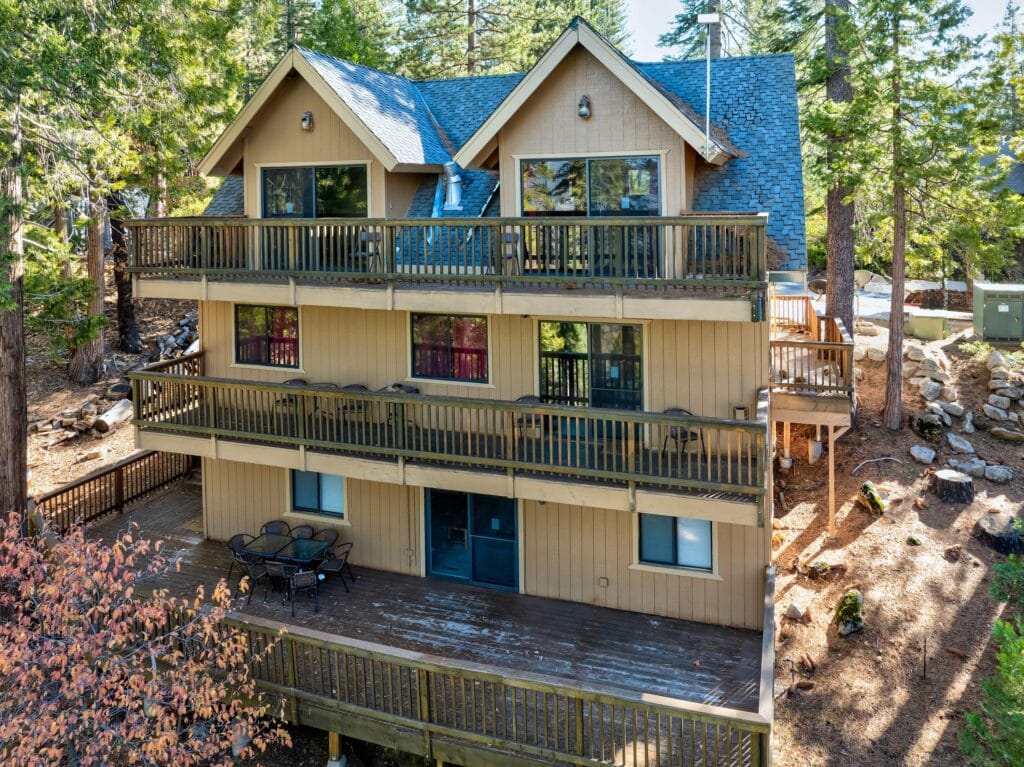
541	718
705	251
820	363
110	489
692	453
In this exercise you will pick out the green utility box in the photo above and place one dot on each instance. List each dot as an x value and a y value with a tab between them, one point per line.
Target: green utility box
999	312
928	326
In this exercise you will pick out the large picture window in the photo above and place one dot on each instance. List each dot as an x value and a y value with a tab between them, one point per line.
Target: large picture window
315	192
317	493
676	541
267	335
449	347
600	186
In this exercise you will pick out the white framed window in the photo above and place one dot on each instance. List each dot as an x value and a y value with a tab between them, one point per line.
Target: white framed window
676	542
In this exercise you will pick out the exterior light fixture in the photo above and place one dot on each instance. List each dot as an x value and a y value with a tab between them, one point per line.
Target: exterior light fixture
584	108
306	121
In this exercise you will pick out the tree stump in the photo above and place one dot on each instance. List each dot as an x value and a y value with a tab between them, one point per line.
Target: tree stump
953	486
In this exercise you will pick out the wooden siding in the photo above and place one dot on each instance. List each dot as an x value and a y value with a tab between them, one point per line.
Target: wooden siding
565	549
382	520
568	549
275	137
705	367
401	188
547	126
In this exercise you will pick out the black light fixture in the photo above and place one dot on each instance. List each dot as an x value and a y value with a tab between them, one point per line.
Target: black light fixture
584	108
306	121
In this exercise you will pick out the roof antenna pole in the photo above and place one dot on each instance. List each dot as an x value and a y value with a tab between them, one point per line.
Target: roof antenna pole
708	20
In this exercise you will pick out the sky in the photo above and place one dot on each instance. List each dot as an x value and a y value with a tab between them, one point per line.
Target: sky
650	18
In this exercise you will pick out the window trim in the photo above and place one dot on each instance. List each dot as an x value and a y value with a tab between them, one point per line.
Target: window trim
265	366
314	513
661	154
260	166
691	572
487	384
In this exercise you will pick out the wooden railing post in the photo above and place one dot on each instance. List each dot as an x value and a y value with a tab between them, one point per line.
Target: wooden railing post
119	489
292	672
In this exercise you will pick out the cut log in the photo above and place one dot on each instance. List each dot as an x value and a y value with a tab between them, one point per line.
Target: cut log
871	499
953	486
122	411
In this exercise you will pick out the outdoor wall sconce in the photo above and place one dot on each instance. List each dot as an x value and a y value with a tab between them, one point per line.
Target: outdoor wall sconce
584	109
306	121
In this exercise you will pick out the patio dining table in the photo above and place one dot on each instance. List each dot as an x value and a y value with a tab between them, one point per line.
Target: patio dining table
267	545
301	551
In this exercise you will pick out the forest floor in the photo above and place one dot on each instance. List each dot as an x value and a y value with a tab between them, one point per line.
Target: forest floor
871	699
896	692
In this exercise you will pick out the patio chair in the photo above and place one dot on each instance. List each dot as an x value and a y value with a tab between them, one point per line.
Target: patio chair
330	536
531	421
256	571
336	562
304	581
279	576
302	531
237	545
353	407
276	527
290	400
681	436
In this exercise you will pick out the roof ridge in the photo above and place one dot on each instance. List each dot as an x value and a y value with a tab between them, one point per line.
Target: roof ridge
467	77
720	59
354	64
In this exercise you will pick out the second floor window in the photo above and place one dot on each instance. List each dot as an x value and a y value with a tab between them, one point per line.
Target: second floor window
676	541
267	335
449	347
600	186
336	191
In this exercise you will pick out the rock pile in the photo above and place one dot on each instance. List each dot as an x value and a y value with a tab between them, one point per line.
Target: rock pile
184	340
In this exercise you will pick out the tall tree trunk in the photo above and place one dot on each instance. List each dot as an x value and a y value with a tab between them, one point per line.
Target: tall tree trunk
715	30
13	411
892	415
60	228
86	364
838	205
127	325
471	37
159	204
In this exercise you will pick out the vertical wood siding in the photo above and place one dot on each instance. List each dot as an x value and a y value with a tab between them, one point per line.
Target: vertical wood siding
705	367
568	549
548	127
384	521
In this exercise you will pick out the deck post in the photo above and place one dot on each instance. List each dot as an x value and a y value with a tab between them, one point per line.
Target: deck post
831	481
334	756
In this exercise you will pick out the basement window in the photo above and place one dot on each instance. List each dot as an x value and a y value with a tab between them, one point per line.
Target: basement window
316	493
676	542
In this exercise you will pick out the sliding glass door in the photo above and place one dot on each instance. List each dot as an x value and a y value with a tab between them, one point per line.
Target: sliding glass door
472	538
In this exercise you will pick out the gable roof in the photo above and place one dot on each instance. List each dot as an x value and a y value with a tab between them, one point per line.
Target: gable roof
682	118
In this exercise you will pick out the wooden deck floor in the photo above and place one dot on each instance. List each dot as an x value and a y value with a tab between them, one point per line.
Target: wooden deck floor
591	645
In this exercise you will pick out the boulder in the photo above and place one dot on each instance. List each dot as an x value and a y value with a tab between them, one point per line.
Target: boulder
866	328
926	425
859	353
1009	435
909	369
915	352
849	615
922	454
995	413
996	359
875	354
959	444
974	467
1011	392
996	400
949	393
797	611
1001	532
930	389
1001	475
953	408
858	374
934	407
1015	417
968	427
998	383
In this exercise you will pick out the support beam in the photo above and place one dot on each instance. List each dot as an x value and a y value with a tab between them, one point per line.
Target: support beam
834	433
334	756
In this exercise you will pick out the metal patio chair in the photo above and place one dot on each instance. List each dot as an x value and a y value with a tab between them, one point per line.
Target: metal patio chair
304	581
302	531
682	436
276	527
237	545
336	563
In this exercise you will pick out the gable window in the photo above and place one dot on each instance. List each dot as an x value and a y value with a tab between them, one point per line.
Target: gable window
335	191
676	542
449	347
599	186
267	335
317	493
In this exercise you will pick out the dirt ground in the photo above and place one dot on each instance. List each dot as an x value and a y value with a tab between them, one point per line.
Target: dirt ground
895	693
871	699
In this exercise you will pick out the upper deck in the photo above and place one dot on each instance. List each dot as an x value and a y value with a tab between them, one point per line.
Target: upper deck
616	267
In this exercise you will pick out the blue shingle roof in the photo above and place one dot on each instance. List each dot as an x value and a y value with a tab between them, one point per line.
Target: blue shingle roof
389	105
461	105
753	98
229	199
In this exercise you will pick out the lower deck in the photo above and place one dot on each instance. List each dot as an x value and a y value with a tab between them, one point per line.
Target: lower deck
514	634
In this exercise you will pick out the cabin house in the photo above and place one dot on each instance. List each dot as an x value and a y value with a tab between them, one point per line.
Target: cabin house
514	338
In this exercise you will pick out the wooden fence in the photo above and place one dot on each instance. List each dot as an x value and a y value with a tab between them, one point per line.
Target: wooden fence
110	489
697	250
589	444
511	713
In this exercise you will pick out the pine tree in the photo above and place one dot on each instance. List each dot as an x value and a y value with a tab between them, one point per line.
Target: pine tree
354	30
747	27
